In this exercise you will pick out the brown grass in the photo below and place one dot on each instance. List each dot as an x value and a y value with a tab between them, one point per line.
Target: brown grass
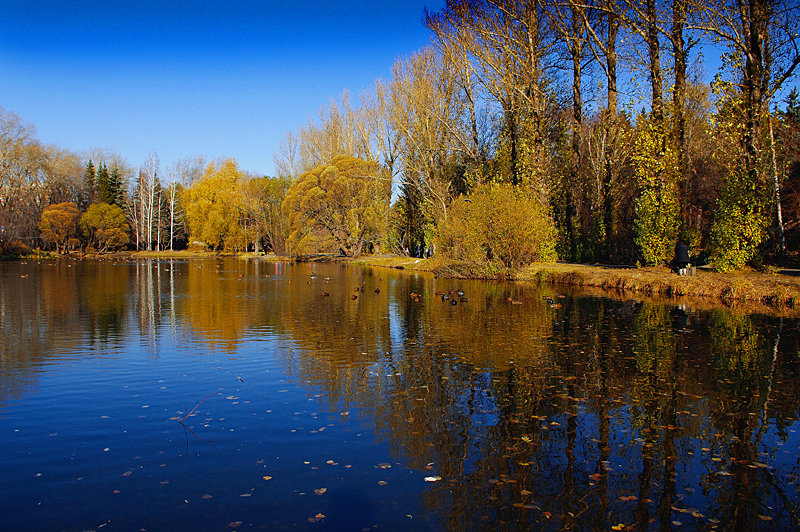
769	289
755	290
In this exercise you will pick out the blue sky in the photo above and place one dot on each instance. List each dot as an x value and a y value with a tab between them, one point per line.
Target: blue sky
193	77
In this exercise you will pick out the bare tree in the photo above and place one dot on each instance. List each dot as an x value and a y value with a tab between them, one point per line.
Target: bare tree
285	159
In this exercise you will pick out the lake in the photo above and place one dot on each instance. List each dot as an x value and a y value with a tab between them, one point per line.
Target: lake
227	394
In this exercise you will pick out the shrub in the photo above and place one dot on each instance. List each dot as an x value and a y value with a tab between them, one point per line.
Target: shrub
499	226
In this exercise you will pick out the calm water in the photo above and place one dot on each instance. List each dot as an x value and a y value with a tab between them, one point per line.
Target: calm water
233	395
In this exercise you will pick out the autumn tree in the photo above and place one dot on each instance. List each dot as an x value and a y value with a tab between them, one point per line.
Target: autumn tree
264	196
59	225
509	45
214	207
763	52
340	129
105	226
22	190
344	200
424	105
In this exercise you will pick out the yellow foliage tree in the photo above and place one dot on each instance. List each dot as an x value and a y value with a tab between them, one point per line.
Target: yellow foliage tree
215	208
59	225
499	226
346	199
105	224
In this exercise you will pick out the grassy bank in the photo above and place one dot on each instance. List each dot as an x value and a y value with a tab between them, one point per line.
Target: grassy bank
774	290
770	289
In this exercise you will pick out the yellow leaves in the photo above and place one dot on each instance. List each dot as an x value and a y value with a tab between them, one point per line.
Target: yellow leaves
214	206
499	225
59	223
345	200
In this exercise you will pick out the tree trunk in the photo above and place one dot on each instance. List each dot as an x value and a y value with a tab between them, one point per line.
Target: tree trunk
777	186
655	62
679	88
611	62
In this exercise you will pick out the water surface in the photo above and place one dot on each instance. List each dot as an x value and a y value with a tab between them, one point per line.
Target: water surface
234	395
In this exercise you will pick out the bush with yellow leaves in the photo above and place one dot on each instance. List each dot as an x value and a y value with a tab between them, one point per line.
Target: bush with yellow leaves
499	226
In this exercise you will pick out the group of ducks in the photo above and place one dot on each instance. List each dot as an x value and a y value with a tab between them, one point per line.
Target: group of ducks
453	296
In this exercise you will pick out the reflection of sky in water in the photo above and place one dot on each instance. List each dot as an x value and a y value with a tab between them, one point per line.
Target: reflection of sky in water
528	412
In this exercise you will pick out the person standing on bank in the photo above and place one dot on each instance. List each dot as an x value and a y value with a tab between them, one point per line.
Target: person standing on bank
681	256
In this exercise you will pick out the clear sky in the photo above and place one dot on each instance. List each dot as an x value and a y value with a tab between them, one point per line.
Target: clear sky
223	78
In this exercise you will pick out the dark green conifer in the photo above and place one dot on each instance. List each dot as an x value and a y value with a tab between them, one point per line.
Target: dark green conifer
89	185
115	187
104	194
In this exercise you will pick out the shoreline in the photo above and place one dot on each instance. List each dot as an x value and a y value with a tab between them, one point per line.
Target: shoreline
764	291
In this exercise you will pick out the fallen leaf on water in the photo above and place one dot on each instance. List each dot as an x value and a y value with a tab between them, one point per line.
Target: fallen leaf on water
433	479
618	527
382	483
320	491
548	515
234	524
765	518
206	496
267	477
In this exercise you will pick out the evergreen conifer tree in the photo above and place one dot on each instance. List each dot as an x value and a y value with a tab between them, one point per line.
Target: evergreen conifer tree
104	194
89	185
115	187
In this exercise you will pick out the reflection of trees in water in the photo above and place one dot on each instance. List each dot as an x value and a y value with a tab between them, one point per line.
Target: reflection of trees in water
49	308
104	291
535	416
548	417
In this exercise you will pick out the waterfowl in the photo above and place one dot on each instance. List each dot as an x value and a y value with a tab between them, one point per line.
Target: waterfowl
445	297
453	302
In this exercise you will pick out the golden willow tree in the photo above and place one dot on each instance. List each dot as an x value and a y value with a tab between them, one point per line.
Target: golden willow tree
342	202
215	208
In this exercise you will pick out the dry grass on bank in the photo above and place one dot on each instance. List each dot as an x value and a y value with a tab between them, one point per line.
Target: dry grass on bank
773	290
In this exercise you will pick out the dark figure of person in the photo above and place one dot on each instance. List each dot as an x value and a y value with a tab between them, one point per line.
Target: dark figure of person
681	259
